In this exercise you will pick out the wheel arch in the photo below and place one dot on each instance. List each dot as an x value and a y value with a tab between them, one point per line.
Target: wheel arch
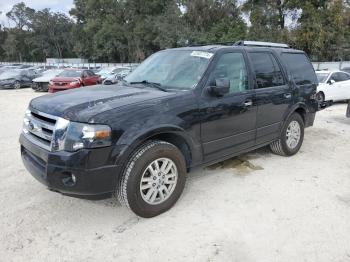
170	134
299	108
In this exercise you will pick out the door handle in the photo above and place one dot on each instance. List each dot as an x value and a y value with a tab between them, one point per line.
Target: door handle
248	103
288	95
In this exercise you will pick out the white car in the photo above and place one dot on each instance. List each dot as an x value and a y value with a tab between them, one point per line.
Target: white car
333	85
41	83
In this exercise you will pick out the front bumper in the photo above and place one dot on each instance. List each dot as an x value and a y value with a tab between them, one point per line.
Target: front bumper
54	89
94	169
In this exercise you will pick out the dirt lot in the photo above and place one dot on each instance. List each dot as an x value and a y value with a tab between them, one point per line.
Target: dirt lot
258	207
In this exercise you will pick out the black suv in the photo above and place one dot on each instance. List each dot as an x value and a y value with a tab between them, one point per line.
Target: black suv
180	109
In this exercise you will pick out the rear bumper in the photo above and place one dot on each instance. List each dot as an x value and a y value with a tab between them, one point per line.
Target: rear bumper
93	169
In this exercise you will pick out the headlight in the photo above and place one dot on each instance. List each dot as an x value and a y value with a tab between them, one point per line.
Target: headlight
74	83
72	136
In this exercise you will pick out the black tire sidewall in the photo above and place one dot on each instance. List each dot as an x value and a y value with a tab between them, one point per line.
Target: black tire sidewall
286	149
320	95
135	201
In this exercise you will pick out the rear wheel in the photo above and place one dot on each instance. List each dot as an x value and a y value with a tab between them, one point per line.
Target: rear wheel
292	137
153	180
16	85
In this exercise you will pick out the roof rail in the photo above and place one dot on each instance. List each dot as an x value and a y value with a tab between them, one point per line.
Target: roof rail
214	43
262	44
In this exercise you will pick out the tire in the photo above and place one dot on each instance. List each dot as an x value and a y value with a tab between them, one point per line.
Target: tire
35	86
320	97
288	147
129	190
17	85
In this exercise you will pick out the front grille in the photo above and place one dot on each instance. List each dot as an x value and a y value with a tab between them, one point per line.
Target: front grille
43	86
39	128
60	83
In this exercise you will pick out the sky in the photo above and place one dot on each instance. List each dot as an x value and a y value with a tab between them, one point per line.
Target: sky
55	5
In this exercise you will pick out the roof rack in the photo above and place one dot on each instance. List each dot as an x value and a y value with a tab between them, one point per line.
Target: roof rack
214	43
262	44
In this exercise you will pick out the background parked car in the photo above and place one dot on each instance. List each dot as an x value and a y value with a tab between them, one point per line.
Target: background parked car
107	72
41	83
17	78
346	69
333	85
119	74
73	78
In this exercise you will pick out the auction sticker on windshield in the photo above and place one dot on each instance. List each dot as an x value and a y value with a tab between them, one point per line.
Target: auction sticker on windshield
202	54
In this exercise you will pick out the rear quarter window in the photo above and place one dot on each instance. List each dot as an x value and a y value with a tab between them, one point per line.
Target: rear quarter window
300	68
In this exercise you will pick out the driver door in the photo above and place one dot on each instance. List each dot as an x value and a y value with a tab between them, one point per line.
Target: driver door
228	122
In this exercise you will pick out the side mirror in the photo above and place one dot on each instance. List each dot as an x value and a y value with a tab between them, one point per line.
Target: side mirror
331	82
221	87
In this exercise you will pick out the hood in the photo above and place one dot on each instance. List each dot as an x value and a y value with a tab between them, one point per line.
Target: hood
82	104
45	78
64	79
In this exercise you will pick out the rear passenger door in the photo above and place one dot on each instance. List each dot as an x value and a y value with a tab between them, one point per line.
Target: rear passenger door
273	95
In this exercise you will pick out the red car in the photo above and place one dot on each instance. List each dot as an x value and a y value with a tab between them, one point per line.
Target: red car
73	78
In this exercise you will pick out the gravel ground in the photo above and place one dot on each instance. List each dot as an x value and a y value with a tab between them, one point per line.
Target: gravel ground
257	207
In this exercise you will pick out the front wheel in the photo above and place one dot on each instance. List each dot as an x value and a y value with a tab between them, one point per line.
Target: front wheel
320	97
292	137
153	180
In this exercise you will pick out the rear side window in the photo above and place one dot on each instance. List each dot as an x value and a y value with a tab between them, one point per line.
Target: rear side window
90	73
267	71
343	76
300	68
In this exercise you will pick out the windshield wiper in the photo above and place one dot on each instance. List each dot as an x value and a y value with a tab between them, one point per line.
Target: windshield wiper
152	84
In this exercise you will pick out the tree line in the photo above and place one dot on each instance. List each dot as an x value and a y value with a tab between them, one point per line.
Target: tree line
131	30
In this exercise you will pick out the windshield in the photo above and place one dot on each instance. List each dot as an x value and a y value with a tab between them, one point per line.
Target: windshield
118	70
173	69
70	73
52	72
322	77
10	73
104	71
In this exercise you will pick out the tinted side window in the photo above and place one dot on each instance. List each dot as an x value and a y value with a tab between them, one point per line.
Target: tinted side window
343	76
300	68
267	71
231	66
336	77
90	73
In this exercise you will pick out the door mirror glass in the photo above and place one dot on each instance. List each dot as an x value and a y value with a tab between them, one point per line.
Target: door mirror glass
221	87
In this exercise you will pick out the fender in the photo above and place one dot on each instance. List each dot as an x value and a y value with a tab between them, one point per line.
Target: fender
130	145
292	109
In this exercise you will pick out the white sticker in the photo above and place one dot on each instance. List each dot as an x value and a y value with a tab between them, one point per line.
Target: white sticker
202	54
